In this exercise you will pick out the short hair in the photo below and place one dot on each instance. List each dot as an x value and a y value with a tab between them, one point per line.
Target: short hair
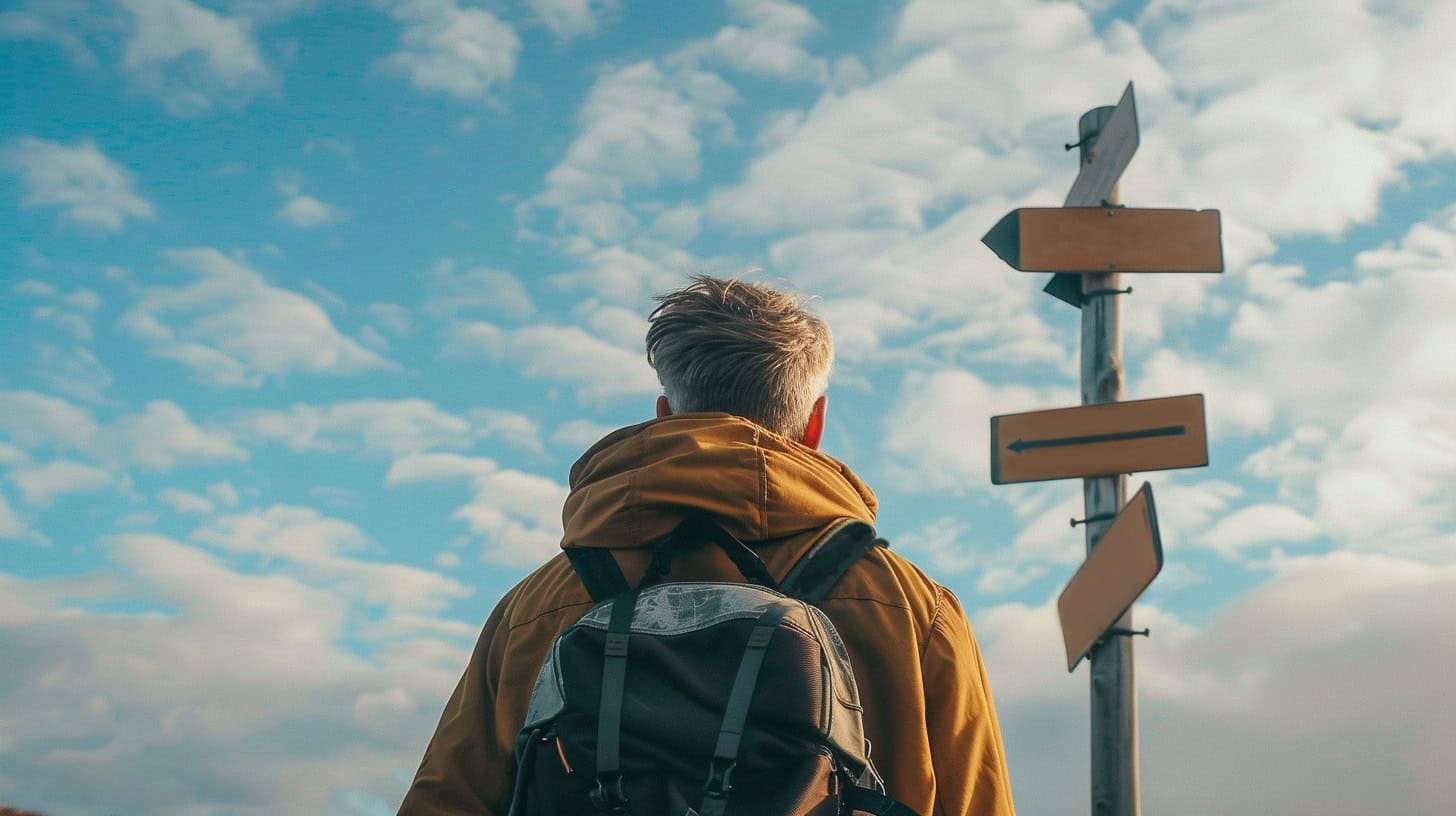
741	348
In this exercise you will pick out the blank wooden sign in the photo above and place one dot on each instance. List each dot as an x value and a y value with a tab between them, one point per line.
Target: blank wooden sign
1108	239
1125	561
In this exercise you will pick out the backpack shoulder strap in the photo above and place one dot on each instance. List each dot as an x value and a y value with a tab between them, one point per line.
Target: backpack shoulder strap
829	559
598	571
867	800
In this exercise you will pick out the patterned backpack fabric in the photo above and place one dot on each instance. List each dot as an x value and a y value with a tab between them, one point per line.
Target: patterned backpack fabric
702	698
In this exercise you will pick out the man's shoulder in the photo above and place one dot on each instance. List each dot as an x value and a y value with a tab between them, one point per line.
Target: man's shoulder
886	579
551	590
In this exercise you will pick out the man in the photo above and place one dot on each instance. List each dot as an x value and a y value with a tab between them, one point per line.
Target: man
744	369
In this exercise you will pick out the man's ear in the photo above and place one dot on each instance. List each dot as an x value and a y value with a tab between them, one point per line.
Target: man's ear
663	409
814	431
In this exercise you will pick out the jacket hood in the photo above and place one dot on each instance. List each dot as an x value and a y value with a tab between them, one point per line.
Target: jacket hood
637	483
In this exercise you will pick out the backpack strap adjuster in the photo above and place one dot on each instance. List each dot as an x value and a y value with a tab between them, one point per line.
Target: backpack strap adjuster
720	777
609	799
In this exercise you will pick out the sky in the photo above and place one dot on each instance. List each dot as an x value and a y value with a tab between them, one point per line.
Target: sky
307	307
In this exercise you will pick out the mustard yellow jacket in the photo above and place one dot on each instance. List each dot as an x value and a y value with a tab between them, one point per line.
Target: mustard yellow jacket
927	706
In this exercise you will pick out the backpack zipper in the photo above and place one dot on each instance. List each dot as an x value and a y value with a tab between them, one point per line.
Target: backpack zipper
560	752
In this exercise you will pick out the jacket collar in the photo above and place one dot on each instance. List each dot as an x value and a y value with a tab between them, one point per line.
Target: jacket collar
637	483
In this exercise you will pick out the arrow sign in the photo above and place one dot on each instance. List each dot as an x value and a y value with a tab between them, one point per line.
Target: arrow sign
1102	165
1099	440
1124	563
1108	239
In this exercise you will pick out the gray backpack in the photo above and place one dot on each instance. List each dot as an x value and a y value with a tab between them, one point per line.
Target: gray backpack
702	698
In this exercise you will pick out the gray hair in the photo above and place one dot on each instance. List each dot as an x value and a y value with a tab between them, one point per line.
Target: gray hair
741	348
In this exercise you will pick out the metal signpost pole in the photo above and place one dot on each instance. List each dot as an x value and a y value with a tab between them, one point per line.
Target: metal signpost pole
1113	701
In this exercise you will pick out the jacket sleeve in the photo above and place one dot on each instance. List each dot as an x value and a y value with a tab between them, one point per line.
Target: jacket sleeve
960	719
468	767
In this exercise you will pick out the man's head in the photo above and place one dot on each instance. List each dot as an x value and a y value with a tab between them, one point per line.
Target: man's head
745	349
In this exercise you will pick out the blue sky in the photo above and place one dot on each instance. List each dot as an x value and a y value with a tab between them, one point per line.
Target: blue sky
306	308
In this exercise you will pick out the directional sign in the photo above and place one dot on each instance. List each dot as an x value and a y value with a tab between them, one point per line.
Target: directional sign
1124	562
1110	155
1099	440
1102	166
1108	239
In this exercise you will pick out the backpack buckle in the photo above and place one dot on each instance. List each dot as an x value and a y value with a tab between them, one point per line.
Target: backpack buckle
611	800
720	777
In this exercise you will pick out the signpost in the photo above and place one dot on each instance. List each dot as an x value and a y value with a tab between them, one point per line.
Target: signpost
1108	239
1116	572
1088	243
1099	440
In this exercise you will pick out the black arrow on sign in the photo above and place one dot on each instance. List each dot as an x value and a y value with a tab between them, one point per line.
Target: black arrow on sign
1168	430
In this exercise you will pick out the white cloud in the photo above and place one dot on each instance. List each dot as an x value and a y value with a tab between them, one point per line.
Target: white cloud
938	435
1356	370
433	467
517	430
1385	483
640	126
464	52
37	27
1334	651
769	46
579	433
921	137
317	545
237	658
630	276
35	288
9	454
941	544
393	427
163	437
517	514
88	187
224	493
447	560
1258	524
41	484
1233	406
568	19
597	369
393	317
31	420
191	57
1383	60
339	147
234	329
181	501
1188	509
307	212
979	315
465	339
453	292
271	11
11	526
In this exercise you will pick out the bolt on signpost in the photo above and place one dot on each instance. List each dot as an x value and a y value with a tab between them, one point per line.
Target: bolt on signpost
1088	243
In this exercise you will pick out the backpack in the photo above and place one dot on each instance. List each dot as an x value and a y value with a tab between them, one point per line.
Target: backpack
702	698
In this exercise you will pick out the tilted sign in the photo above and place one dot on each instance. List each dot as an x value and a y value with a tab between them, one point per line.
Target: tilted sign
1099	440
1125	561
1111	152
1108	239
